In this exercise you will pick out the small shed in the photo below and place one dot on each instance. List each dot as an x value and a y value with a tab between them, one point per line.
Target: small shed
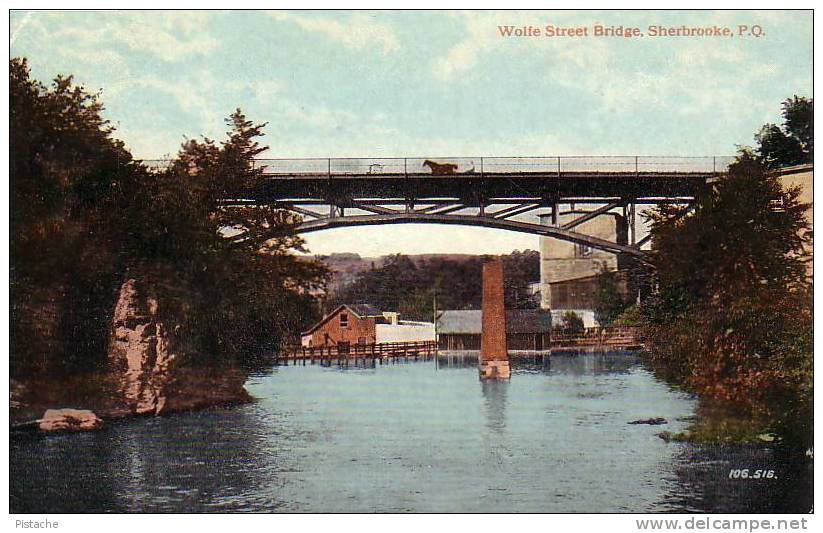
526	329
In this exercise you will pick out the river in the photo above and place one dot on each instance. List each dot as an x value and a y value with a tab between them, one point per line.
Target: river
411	437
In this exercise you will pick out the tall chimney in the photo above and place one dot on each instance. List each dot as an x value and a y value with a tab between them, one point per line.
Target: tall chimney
494	354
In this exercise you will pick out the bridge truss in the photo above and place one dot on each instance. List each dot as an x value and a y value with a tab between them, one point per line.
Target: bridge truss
487	192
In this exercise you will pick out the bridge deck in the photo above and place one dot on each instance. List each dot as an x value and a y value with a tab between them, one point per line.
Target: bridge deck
472	189
474	180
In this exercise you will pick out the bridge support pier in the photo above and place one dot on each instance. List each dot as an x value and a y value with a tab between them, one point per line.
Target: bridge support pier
494	354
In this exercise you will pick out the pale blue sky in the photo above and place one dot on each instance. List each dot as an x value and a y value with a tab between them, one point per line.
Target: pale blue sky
426	83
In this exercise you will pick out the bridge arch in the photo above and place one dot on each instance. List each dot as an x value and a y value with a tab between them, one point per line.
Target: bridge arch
557	232
348	192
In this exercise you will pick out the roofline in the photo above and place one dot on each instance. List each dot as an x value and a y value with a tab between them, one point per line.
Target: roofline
795	169
331	314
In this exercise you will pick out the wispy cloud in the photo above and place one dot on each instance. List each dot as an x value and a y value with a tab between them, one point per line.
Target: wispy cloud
481	38
464	89
359	31
170	36
465	54
167	35
17	25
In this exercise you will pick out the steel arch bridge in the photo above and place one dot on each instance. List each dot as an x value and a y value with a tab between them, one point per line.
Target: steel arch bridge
486	192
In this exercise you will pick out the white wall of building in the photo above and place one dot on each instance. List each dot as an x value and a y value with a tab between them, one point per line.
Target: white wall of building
405	332
586	314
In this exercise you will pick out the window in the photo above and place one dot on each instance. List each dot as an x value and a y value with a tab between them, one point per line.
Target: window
778	204
582	250
344	320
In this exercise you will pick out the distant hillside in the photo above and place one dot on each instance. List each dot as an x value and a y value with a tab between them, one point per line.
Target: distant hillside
345	267
410	284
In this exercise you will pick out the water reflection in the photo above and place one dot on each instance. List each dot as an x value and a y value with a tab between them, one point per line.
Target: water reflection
702	482
411	436
494	395
602	364
557	362
197	462
458	360
531	361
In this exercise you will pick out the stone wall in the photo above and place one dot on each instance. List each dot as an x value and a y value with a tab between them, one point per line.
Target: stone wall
802	176
582	293
563	260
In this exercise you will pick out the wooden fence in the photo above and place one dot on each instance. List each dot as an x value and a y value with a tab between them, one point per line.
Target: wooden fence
414	349
627	336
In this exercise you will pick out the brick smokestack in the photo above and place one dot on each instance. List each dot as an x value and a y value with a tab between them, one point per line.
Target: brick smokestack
494	355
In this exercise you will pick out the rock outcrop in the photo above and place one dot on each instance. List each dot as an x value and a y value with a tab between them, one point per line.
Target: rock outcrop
149	375
650	421
139	352
69	420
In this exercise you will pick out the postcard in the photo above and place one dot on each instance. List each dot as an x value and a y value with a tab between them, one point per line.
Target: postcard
411	261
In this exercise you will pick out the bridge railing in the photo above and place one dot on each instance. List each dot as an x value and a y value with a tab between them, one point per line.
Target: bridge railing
485	166
490	166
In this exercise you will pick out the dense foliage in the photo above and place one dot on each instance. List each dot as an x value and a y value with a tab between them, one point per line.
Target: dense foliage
411	287
572	324
791	143
245	288
85	216
732	318
611	300
67	182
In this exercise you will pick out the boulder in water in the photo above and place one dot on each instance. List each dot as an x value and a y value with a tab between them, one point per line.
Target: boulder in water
651	421
69	420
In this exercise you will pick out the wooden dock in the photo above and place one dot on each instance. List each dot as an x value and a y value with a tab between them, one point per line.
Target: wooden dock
592	339
415	350
612	338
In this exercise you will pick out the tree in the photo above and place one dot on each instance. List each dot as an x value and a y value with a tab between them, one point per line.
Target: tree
238	265
744	234
409	285
732	318
610	301
791	143
85	215
520	270
69	181
572	323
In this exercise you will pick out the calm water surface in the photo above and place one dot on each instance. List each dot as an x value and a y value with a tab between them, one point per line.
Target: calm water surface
410	436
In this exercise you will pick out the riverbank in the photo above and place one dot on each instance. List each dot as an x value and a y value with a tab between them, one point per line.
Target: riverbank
726	419
411	437
187	389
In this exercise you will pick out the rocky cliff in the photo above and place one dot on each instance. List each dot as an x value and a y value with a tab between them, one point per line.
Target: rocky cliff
147	372
150	374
